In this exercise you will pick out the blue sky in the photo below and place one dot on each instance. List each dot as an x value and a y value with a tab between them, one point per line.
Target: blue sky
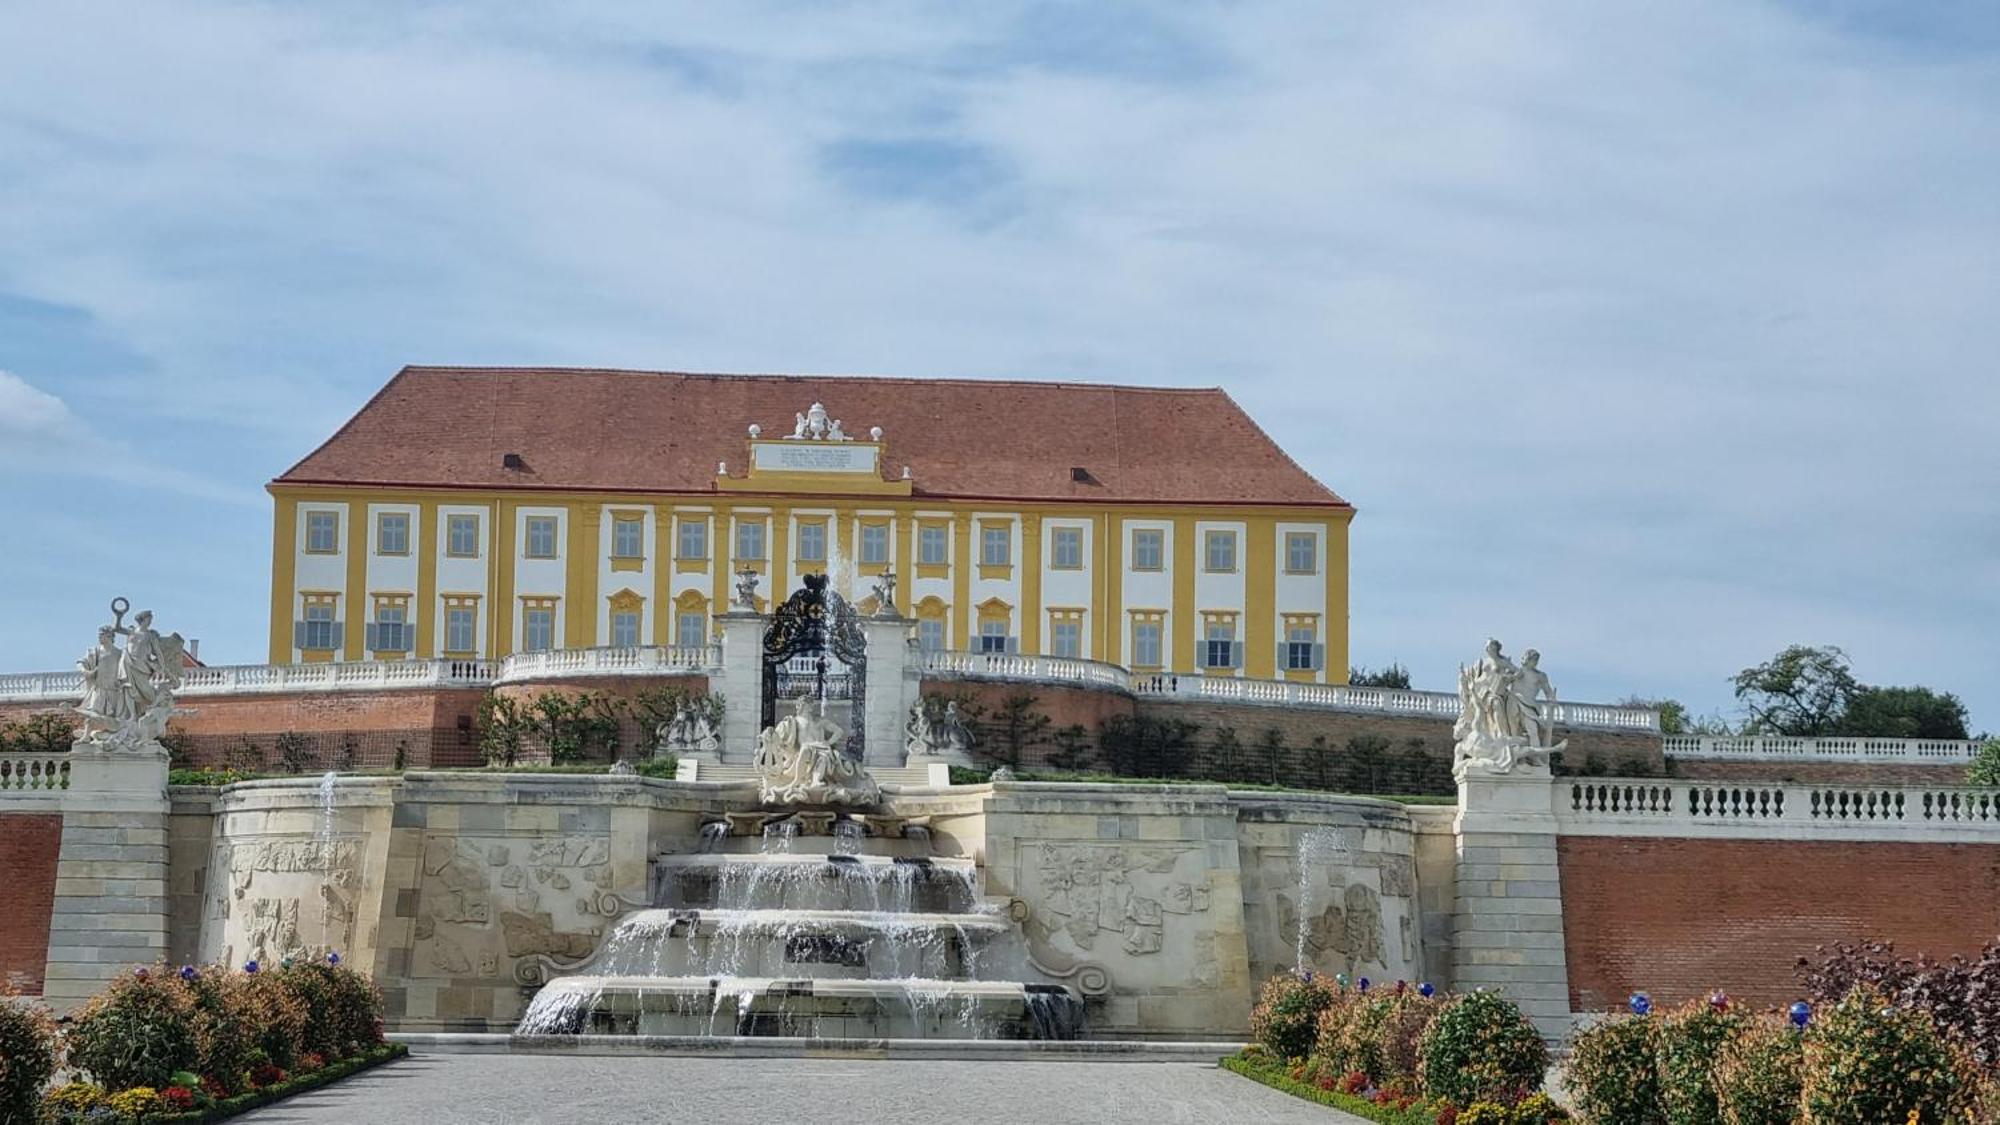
1656	336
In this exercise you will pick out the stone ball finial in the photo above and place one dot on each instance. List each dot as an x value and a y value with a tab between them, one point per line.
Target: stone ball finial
874	433
722	468
756	430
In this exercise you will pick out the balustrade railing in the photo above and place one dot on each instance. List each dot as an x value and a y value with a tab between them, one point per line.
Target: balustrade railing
33	773
1037	669
1389	701
1759	748
1641	807
363	675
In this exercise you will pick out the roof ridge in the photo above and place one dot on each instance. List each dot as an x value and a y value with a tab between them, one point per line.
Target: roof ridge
926	380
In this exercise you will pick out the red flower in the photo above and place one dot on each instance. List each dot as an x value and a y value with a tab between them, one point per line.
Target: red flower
311	1060
1353	1082
178	1097
1325	1082
213	1088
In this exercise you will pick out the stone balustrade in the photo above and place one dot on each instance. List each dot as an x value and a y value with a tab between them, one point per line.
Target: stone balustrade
33	774
1386	701
1026	669
382	675
1788	810
1899	751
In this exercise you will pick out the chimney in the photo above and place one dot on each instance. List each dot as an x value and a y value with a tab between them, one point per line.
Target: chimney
513	461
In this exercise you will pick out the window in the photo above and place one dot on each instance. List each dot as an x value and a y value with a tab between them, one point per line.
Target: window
392	533
322	533
1301	647
992	636
461	536
930	634
1219	550
1149	549
461	629
995	546
693	542
690	629
391	631
319	631
932	547
541	537
1066	548
1066	637
874	542
750	540
812	542
538	628
1218	646
1146	644
1301	552
628	538
625	628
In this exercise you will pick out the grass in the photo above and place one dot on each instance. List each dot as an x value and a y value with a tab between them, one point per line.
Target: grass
1277	1076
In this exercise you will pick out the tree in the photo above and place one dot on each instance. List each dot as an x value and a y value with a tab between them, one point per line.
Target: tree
1015	726
1676	718
1803	692
1985	769
1903	712
1072	750
1393	676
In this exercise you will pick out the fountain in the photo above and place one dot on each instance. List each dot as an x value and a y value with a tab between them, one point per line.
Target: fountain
1319	850
811	912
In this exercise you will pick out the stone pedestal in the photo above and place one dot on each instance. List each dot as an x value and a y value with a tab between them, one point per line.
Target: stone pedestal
891	688
1507	926
110	908
740	682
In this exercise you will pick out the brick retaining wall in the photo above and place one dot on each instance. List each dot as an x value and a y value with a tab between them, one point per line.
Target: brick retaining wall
30	844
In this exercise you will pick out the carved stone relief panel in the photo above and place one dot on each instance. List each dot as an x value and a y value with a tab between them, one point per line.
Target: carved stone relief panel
1106	899
486	901
276	897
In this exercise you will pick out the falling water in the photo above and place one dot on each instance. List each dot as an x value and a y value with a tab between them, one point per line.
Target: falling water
712	835
326	783
1319	848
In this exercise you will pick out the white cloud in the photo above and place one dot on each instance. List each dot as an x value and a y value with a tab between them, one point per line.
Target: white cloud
1655	335
28	413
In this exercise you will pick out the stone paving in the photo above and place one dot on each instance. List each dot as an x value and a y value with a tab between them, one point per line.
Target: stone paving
441	1089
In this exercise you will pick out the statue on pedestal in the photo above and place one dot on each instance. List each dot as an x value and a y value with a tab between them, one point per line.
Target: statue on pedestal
936	732
1506	714
746	587
884	589
800	761
128	693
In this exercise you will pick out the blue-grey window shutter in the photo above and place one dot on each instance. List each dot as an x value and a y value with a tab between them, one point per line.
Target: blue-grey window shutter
298	634
339	634
372	634
1319	657
1236	654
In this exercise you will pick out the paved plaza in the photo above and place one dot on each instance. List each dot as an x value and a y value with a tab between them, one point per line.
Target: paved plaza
438	1089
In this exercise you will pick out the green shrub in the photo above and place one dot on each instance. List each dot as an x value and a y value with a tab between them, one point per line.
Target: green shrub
1613	1072
343	1010
1337	1039
661	765
1286	1018
1867	1062
277	1013
1479	1047
27	1055
1757	1074
136	1032
1689	1043
1378	1033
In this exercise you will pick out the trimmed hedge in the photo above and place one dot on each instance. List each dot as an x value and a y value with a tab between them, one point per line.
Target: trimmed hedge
1274	1074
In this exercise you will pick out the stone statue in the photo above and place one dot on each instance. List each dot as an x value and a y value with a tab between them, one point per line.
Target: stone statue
884	589
1505	714
800	761
835	433
702	731
690	731
128	694
799	430
953	736
919	740
746	587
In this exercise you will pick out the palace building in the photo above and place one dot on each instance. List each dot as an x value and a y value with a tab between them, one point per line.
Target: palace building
482	512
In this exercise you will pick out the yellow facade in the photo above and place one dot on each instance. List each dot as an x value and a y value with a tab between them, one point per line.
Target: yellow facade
1264	592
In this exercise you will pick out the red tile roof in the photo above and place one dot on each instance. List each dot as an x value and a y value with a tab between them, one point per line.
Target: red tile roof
664	432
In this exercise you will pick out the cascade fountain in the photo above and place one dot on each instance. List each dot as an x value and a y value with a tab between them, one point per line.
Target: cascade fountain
813	913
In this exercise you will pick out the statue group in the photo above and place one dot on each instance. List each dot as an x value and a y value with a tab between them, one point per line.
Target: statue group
691	730
802	760
1506	714
128	693
934	731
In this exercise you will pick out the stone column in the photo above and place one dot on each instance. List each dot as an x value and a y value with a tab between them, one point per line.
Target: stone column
891	688
111	876
1507	926
741	682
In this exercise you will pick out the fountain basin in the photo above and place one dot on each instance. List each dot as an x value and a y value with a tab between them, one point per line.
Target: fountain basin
790	881
817	944
821	1009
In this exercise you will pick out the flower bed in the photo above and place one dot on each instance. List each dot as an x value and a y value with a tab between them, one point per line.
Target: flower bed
1259	1067
203	1044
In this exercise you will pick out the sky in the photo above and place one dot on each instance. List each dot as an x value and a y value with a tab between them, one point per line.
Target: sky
1654	336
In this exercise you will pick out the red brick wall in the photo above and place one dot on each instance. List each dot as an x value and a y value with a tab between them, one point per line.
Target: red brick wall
29	845
1679	918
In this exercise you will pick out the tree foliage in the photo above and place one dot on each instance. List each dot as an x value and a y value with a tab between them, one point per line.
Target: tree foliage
1904	712
1390	676
1802	692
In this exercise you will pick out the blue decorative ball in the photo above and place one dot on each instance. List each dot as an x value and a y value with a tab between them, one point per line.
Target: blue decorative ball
1362	984
333	958
1340	979
189	972
250	966
1425	990
1800	1012
1640	1003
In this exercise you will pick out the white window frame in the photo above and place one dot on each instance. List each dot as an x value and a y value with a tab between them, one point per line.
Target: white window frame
1066	638
536	524
1066	548
633	526
455	525
470	623
933	537
1145	635
622	617
1145	541
818	535
1212	539
384	521
528	629
991	538
691	539
875	542
327	522
1292	540
690	629
750	544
